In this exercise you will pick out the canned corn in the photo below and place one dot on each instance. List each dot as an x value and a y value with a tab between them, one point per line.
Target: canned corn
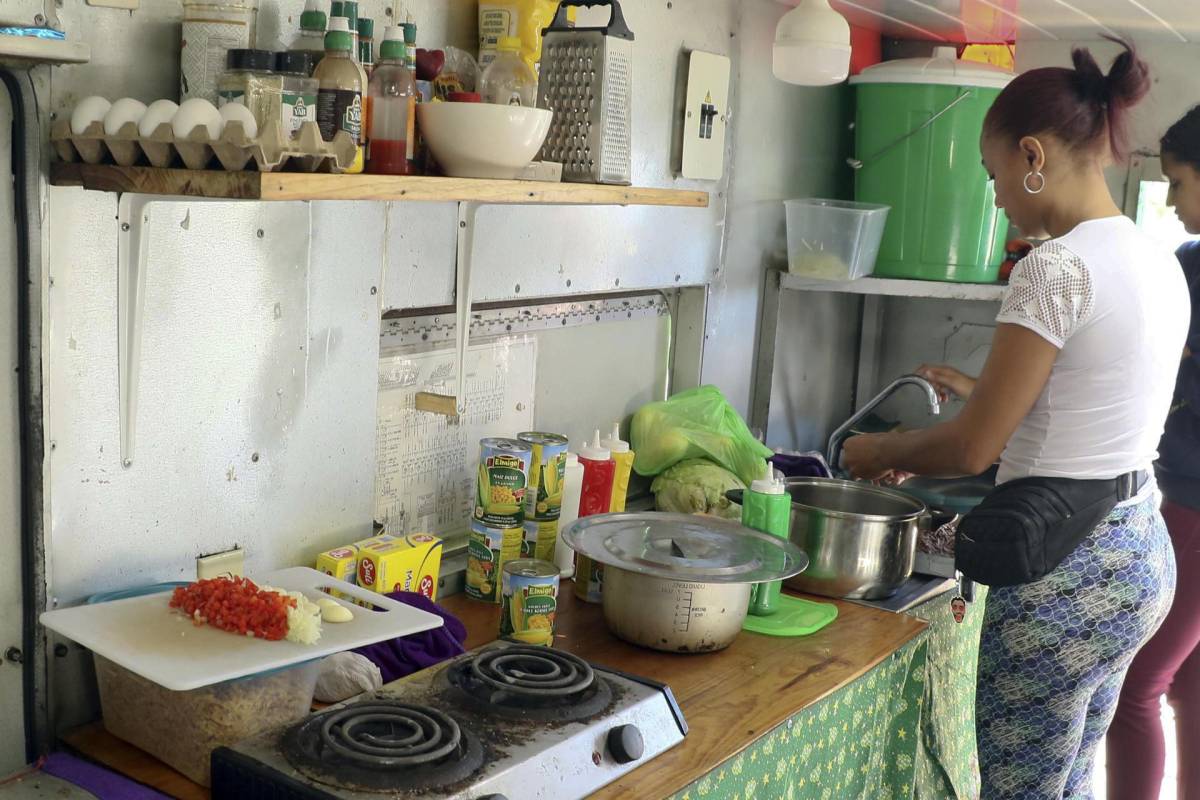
529	601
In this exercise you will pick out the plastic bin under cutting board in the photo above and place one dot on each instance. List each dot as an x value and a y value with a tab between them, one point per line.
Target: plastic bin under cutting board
147	638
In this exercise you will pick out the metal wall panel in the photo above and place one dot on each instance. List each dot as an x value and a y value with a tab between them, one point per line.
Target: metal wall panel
256	408
12	724
788	141
419	255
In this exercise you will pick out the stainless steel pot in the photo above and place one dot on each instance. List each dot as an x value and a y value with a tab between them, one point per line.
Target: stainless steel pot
679	582
676	616
861	539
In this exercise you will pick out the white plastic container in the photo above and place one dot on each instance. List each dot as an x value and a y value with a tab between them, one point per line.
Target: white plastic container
210	29
564	556
508	80
833	239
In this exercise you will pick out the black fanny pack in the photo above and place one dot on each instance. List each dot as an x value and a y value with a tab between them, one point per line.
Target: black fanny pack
1025	528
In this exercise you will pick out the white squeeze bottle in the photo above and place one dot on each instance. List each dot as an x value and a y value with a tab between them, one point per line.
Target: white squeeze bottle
564	557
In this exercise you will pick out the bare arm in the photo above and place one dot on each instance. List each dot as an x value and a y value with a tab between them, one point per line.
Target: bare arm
1013	378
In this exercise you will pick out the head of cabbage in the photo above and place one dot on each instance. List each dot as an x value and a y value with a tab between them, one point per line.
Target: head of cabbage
697	486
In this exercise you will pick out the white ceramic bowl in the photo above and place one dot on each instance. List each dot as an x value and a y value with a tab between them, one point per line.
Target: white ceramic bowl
483	140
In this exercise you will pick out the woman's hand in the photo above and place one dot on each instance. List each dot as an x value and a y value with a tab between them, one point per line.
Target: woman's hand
866	458
948	381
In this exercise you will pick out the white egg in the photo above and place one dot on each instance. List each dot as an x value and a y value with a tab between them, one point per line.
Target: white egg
160	111
236	112
196	113
124	110
88	110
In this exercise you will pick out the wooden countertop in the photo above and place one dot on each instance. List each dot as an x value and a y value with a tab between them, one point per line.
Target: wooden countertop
729	698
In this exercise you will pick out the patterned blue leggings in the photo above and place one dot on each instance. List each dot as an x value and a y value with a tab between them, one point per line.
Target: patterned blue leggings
1053	655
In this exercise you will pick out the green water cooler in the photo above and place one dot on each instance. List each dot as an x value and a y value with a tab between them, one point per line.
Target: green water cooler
917	150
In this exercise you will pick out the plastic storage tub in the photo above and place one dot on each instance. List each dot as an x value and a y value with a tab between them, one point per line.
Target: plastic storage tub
183	728
833	239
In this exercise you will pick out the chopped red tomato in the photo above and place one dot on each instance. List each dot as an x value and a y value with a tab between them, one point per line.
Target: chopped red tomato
236	605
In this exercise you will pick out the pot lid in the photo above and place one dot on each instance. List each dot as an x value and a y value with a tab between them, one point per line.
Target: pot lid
685	547
945	68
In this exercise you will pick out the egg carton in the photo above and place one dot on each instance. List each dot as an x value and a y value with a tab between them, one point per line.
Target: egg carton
233	150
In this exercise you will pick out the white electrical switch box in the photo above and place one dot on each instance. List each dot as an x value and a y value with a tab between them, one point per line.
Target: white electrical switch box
229	562
706	116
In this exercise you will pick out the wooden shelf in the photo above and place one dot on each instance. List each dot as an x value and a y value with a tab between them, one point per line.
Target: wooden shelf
26	49
892	287
319	186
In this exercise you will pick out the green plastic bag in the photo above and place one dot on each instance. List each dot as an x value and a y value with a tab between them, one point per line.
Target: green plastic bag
697	423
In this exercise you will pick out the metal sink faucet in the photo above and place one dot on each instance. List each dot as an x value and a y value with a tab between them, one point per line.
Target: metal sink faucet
834	452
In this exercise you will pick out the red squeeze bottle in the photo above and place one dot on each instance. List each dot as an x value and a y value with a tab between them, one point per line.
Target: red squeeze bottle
599	471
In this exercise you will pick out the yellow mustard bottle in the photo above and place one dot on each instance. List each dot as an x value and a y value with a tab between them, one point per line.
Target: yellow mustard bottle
623	456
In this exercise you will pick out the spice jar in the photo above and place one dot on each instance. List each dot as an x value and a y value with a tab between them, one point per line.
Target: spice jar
298	102
250	79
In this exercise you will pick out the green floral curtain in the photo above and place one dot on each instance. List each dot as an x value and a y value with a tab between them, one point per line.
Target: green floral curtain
947	762
859	742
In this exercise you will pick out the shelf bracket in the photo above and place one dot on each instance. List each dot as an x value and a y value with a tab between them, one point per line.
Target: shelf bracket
445	405
133	218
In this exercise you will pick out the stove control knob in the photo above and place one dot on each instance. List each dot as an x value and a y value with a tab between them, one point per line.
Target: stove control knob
625	743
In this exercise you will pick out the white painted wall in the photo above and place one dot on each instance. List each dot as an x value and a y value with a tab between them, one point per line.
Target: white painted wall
215	358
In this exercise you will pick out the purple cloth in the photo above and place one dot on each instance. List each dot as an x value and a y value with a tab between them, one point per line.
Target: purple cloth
97	780
405	655
804	465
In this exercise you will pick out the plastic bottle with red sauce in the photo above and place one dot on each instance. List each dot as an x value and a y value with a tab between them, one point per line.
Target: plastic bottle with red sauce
599	471
392	97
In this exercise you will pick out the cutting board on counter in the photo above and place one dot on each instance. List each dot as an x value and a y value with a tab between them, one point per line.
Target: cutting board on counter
162	645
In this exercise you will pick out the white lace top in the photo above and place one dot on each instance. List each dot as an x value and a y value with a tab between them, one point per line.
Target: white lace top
1116	305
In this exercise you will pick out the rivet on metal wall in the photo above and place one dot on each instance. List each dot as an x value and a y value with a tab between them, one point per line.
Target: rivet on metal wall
254	457
53	444
261	233
127	463
60	650
374	290
38	19
517	288
677	278
51	281
568	283
125	226
618	282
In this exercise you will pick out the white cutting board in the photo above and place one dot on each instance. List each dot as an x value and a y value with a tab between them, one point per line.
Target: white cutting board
145	636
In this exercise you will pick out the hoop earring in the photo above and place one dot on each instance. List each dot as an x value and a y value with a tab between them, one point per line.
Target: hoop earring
1041	185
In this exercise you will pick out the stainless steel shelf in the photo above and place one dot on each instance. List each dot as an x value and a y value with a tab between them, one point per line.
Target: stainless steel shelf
892	287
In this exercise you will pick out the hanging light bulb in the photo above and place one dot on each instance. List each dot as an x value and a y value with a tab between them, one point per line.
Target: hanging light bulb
812	45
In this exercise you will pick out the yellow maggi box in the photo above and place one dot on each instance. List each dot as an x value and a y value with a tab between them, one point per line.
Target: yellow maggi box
403	564
342	562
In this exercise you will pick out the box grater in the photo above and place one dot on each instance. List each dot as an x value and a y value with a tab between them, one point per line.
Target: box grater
586	79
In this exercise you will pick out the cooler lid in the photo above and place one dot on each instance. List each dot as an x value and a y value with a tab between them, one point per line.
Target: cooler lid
685	547
944	69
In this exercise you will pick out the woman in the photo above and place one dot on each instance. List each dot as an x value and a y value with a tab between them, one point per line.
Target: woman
1077	385
1170	662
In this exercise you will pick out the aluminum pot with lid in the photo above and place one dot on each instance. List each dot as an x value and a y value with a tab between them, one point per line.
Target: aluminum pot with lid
679	582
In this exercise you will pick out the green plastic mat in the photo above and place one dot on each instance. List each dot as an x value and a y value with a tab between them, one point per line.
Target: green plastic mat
795	617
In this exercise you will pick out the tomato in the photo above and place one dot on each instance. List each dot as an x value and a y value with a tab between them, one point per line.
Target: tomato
236	605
